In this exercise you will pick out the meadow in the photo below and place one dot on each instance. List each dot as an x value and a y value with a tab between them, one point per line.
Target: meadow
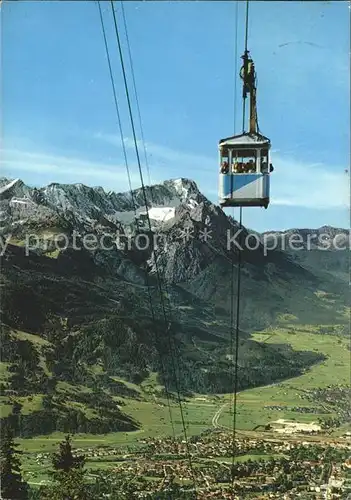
335	370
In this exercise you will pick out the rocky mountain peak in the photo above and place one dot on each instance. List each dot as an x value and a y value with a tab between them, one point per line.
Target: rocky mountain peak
10	188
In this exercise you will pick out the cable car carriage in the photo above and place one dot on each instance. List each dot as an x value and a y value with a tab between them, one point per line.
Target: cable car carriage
245	159
244	171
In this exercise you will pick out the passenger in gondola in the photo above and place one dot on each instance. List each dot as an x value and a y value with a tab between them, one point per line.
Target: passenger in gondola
225	167
251	167
235	167
248	167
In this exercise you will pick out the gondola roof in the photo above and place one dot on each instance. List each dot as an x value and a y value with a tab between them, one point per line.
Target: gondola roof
247	139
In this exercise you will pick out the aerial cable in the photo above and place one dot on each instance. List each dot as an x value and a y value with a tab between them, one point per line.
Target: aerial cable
239	266
246	24
138	109
246	40
236	60
233	215
116	105
133	202
235	107
236	351
149	224
139	114
167	323
136	94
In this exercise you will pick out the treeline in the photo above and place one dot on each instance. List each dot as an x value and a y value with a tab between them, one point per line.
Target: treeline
73	421
259	364
57	415
27	375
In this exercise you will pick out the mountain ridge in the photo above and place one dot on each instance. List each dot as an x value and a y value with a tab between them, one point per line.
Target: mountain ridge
185	189
191	238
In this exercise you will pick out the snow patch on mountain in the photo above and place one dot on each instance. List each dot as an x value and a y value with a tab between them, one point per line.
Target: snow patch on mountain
20	201
8	186
192	203
181	189
161	213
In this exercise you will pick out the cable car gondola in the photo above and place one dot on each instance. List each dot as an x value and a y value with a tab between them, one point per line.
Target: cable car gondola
245	166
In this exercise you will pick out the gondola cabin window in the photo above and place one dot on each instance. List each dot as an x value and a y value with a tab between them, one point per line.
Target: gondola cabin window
242	161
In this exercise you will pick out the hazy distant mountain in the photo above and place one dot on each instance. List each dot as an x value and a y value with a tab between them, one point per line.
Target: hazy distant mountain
325	251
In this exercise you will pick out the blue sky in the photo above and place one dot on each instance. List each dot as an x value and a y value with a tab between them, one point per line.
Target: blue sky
59	121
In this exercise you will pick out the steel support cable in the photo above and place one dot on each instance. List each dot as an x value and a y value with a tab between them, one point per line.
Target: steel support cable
232	259
167	323
138	109
116	104
236	355
136	95
246	40
139	113
134	135
133	201
246	24
236	60
233	212
239	265
137	103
